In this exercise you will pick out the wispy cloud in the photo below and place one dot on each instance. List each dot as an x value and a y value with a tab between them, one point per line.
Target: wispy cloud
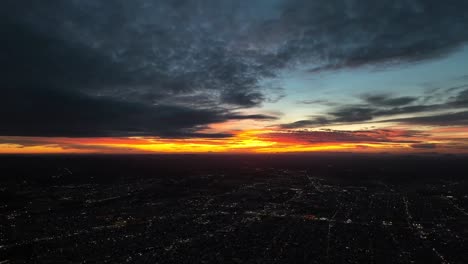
385	106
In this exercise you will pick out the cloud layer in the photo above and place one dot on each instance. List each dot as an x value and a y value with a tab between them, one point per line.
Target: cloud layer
383	107
172	68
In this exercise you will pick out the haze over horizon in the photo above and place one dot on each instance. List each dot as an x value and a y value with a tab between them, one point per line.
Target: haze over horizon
227	76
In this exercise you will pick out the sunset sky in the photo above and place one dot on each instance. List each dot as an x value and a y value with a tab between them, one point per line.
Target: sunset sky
256	76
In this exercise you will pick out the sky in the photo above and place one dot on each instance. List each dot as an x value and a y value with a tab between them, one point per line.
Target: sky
234	76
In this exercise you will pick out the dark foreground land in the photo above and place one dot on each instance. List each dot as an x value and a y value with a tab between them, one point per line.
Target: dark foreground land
234	209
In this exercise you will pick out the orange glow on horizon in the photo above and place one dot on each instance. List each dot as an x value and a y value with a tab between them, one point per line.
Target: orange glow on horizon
250	141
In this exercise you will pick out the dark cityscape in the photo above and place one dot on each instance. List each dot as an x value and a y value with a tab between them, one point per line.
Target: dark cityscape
234	209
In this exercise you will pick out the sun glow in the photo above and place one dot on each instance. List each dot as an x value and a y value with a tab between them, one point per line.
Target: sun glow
249	141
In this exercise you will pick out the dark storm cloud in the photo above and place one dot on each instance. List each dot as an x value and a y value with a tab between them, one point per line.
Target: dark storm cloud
366	113
85	68
171	68
388	100
461	99
359	113
450	119
386	106
322	102
46	112
316	121
62	113
254	117
349	33
362	114
242	98
111	53
31	58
